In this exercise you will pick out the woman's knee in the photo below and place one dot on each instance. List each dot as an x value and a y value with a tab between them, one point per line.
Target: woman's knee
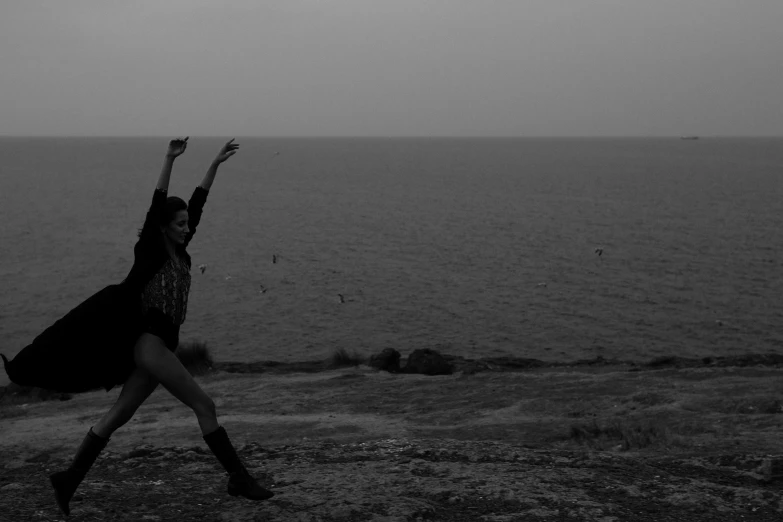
205	407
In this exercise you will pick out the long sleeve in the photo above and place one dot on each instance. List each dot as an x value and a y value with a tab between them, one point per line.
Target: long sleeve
148	250
149	229
195	208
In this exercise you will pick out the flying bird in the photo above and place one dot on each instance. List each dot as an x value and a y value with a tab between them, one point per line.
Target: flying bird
342	298
274	258
202	268
599	251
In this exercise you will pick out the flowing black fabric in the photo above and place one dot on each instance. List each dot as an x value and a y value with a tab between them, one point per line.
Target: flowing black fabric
91	347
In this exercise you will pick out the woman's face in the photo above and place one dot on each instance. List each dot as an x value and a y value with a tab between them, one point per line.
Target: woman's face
177	228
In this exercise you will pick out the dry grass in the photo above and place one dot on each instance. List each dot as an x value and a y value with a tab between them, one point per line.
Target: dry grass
748	405
648	398
624	433
196	357
12	411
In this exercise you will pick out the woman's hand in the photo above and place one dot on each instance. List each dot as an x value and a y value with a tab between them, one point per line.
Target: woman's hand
177	147
228	150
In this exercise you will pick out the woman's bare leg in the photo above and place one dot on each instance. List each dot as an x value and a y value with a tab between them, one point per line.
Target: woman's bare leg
137	388
135	391
152	355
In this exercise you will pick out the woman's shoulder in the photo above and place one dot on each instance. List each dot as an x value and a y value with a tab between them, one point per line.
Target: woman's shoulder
184	257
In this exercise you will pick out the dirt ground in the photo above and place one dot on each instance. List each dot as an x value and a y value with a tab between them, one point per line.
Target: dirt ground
595	443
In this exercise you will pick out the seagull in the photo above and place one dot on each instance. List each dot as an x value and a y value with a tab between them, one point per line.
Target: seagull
599	251
263	289
202	268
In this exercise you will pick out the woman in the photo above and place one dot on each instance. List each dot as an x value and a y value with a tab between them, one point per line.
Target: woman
127	334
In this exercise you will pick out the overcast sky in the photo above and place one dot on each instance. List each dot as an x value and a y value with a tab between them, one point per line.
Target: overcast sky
391	68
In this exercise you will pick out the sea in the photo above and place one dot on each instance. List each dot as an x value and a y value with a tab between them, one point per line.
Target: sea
556	249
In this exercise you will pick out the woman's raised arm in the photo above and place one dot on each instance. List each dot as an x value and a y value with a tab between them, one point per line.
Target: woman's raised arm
226	151
148	230
196	203
176	148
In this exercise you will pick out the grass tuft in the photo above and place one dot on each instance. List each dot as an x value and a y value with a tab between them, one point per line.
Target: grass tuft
196	357
12	411
628	434
648	398
753	405
342	359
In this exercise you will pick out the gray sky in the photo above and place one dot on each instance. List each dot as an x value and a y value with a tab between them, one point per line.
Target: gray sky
392	67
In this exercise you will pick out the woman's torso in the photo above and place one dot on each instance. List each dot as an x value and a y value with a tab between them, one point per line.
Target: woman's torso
168	290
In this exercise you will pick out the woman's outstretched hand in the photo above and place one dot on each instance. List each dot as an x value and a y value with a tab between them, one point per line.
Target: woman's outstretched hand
177	147
228	150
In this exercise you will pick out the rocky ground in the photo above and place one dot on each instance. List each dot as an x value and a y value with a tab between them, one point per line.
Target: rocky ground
594	442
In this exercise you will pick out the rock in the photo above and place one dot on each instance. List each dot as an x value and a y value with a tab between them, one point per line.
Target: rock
138	452
41	457
388	360
772	469
428	362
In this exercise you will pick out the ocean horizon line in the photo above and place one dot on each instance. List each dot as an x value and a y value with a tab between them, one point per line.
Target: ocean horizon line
401	136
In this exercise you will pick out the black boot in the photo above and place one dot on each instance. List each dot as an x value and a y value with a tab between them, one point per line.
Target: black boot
66	482
239	480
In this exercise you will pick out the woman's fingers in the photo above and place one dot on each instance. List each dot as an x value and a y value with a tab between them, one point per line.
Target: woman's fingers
230	146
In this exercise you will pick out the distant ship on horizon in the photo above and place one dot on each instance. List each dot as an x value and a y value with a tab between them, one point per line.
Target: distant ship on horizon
689	137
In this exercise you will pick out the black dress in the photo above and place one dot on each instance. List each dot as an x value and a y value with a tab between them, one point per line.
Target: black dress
91	347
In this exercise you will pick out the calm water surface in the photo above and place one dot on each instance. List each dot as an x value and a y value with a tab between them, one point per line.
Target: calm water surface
488	246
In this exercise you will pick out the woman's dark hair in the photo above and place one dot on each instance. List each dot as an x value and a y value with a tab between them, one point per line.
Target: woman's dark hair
170	209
